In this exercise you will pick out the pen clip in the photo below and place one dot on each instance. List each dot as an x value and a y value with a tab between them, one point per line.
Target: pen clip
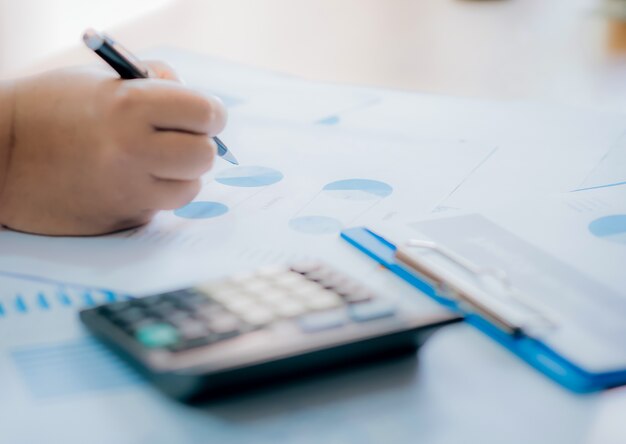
502	306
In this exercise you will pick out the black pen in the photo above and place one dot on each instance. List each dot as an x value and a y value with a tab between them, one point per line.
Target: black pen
129	67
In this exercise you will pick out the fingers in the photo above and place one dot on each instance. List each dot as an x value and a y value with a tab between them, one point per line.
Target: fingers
171	194
173	148
178	156
169	106
127	221
162	70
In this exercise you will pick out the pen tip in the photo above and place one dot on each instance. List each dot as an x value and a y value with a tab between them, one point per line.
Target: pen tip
228	156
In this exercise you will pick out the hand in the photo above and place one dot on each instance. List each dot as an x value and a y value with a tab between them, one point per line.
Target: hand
92	154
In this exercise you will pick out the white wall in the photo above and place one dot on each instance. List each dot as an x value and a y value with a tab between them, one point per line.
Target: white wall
30	30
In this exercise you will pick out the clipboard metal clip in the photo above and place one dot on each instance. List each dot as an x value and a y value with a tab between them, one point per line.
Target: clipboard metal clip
491	295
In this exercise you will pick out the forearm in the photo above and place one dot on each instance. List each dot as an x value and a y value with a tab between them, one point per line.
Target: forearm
7	137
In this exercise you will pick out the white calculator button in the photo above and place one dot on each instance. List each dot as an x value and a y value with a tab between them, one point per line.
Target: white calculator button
289	279
240	303
222	293
289	309
304	288
258	316
192	330
273	296
322	300
257	285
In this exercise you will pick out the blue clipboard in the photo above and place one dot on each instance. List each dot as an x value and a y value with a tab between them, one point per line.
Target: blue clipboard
531	350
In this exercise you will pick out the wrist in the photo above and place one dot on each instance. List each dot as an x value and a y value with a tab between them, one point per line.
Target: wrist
7	127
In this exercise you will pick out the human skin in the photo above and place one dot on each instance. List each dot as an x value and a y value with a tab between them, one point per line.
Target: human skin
85	153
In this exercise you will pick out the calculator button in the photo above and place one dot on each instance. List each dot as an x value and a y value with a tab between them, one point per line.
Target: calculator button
314	322
289	279
128	316
257	286
179	319
333	280
189	294
191	302
306	287
258	316
273	296
224	294
226	326
163	309
358	295
157	335
177	313
322	300
367	311
347	288
289	309
240	303
192	330
209	312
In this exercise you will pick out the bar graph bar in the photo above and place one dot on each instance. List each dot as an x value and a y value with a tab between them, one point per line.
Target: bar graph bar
21	295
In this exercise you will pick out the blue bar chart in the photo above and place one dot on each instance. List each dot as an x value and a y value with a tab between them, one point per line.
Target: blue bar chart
23	294
45	343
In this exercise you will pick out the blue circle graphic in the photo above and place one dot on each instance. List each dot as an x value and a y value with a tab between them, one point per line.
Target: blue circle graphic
315	224
330	120
249	176
611	228
201	210
358	189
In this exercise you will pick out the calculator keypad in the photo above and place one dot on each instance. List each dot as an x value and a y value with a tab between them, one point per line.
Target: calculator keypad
310	294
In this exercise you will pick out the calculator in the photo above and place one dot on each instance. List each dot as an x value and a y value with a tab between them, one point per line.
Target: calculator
274	324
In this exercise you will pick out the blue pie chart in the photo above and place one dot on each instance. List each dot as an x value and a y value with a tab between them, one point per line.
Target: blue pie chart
201	210
331	120
249	176
611	228
358	189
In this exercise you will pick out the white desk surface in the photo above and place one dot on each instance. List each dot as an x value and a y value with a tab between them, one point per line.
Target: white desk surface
464	388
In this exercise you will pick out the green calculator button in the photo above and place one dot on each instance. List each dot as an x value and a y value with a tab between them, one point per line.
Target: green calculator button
157	335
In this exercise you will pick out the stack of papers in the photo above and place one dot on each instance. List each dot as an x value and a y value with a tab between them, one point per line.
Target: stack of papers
315	158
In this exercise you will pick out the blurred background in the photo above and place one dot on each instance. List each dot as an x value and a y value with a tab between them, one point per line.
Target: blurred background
32	30
569	51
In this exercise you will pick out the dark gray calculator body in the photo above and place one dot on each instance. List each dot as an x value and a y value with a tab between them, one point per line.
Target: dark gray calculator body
267	326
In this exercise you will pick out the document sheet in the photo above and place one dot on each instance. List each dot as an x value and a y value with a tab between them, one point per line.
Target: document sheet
315	158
